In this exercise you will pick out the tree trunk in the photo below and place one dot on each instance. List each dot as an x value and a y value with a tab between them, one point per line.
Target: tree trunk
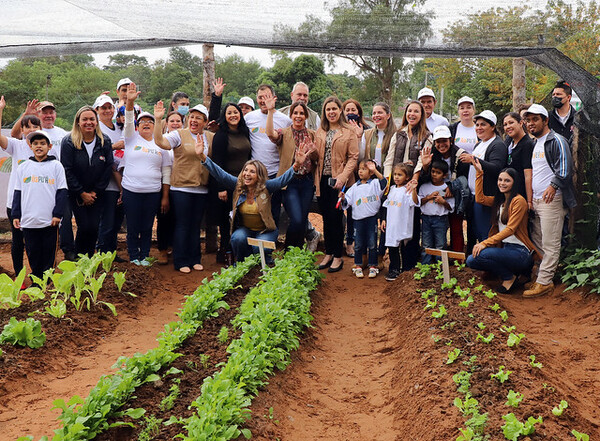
387	80
208	61
518	83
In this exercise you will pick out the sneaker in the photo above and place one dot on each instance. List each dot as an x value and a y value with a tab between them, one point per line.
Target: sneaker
538	290
358	272
373	271
145	262
136	262
392	275
314	242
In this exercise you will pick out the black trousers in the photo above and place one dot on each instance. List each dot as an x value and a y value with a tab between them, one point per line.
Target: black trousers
17	246
165	227
87	218
333	219
40	244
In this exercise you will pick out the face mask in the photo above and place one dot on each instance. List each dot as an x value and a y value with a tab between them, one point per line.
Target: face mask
183	110
557	102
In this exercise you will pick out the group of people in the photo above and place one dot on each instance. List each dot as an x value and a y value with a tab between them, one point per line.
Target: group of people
400	189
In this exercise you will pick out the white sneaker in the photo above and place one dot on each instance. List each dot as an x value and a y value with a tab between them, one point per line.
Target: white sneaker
373	271
358	272
314	242
145	263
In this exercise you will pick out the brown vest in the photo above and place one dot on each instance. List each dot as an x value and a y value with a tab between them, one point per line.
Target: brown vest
287	149
188	170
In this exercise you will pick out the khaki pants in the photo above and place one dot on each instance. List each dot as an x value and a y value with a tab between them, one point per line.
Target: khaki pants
546	234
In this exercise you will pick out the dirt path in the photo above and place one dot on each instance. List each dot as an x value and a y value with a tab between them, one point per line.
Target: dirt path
26	408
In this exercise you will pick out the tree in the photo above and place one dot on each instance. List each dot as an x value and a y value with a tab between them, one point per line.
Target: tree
378	23
118	62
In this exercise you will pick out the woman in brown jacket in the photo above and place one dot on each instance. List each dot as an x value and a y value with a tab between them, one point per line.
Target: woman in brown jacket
508	251
337	145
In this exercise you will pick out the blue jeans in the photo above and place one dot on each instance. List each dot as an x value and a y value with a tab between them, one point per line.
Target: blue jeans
505	262
296	201
482	215
188	209
110	222
276	198
365	240
239	242
434	229
140	209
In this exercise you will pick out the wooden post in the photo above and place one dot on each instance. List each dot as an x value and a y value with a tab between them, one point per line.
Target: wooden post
445	263
208	62
518	83
262	244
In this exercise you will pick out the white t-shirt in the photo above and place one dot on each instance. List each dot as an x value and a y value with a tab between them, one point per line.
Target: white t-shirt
20	152
38	183
400	215
115	135
542	174
432	208
478	152
501	226
465	138
263	149
143	162
365	199
89	148
436	120
56	135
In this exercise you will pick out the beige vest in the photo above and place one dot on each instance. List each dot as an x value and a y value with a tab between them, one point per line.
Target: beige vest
188	171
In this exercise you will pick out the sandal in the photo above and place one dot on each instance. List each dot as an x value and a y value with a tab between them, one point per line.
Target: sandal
185	270
198	267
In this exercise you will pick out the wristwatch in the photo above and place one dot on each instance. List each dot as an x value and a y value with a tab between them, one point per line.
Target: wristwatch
553	185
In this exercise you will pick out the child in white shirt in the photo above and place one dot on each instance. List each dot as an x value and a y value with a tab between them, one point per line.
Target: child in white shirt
399	215
365	199
434	210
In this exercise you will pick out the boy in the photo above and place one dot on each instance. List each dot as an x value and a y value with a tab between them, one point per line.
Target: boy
434	209
38	202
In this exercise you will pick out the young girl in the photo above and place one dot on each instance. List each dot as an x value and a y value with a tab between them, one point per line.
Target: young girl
399	214
365	199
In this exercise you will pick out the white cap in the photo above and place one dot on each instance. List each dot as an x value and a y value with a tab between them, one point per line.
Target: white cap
426	91
102	100
200	108
146	115
122	82
441	132
246	100
537	109
488	115
39	133
465	99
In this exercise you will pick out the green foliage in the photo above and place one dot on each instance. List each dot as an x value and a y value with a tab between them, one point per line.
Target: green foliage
462	380
24	333
487	339
514	339
582	268
441	313
453	355
151	428
501	375
534	363
119	279
223	335
168	402
560	408
513	398
467	302
513	428
580	436
10	290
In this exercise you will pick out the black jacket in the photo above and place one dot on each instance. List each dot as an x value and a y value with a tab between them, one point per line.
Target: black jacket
82	174
494	160
566	130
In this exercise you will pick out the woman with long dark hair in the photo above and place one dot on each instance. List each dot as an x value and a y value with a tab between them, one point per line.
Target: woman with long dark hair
508	251
520	148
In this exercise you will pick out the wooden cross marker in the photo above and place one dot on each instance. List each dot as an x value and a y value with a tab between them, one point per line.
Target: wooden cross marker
262	244
445	255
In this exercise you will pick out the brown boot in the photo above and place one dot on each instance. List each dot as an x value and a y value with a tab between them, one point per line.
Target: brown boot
538	290
163	259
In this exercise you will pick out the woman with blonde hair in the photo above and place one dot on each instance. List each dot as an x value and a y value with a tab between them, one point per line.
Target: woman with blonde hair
87	158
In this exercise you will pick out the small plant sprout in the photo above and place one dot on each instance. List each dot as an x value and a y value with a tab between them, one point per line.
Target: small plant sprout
514	339
472	281
466	435
478	288
514	428
489	294
504	315
514	398
481	326
459	266
119	279
204	359
558	410
487	339
435	338
462	380
467	302
453	355
223	335
441	313
505	328
462	293
495	307
425	295
450	284
501	375
431	303
468	406
533	363
580	436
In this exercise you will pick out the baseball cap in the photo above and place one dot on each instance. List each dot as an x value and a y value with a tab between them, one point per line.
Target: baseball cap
146	115
45	104
39	133
102	100
200	108
246	100
122	82
488	115
426	91
537	109
441	132
465	99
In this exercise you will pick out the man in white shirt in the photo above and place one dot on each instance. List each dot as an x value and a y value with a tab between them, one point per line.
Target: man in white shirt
427	99
300	94
553	195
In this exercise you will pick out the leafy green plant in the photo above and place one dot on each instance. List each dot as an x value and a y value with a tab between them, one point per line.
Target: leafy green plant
468	406
582	267
533	363
490	294
467	302
223	335
440	313
204	360
431	303
514	398
10	290
425	295
558	410
495	307
56	308
422	271
24	333
481	326
451	283
514	339
513	428
168	402
119	279
509	329
462	380
151	428
501	375
580	436
472	281
462	293
453	355
503	315
487	339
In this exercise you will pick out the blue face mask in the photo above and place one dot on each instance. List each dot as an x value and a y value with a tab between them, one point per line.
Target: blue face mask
183	110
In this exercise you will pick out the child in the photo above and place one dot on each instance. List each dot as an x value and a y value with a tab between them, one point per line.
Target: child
399	215
38	203
365	199
434	209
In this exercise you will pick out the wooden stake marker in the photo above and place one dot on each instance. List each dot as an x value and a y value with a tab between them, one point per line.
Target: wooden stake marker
262	244
445	255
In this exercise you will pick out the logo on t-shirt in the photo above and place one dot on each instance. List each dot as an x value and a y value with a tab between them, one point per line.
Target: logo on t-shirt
254	129
38	179
367	199
539	154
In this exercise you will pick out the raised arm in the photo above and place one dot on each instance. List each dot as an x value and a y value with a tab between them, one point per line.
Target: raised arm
31	109
129	127
159	139
271	132
3	139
